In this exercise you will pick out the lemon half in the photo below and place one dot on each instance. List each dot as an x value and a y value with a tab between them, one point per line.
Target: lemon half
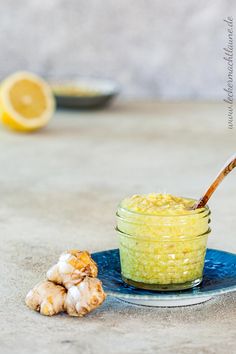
26	102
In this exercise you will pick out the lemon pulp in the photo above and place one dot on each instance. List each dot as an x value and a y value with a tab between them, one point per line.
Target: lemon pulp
26	102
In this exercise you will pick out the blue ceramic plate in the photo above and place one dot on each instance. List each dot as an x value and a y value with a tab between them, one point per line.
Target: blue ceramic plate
219	278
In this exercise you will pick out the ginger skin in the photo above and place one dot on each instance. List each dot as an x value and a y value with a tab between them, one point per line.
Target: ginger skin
46	298
71	287
84	297
72	267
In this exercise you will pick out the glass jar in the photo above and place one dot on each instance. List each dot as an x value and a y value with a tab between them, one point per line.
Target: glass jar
163	252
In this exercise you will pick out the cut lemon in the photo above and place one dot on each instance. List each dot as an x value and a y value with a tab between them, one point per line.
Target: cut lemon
26	102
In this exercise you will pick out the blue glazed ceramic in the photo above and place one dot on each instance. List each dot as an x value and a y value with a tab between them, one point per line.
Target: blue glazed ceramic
219	277
106	90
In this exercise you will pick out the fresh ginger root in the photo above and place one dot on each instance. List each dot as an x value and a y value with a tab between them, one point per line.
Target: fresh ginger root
84	297
46	298
72	286
72	267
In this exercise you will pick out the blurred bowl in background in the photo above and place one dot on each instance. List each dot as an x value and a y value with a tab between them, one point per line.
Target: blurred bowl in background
84	93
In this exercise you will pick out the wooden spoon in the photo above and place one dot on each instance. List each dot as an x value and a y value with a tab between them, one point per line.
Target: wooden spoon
226	169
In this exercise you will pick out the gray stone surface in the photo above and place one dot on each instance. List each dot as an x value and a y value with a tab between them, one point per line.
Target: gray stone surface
60	187
157	48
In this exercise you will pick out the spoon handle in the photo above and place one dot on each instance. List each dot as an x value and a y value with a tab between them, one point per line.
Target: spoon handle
226	169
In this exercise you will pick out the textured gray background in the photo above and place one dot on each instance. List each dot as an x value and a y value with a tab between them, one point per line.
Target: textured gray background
152	47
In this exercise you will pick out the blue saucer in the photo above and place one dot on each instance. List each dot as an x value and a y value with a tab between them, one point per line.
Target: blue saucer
219	278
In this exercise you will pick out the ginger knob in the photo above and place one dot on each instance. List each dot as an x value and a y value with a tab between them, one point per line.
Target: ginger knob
84	297
72	267
46	298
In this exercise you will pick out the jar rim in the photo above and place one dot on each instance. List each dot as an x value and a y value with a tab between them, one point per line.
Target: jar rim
198	211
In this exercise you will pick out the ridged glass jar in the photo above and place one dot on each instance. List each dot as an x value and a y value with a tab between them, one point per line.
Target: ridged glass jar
163	252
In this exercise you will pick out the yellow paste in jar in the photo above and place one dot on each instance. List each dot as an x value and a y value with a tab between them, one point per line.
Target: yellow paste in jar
162	241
